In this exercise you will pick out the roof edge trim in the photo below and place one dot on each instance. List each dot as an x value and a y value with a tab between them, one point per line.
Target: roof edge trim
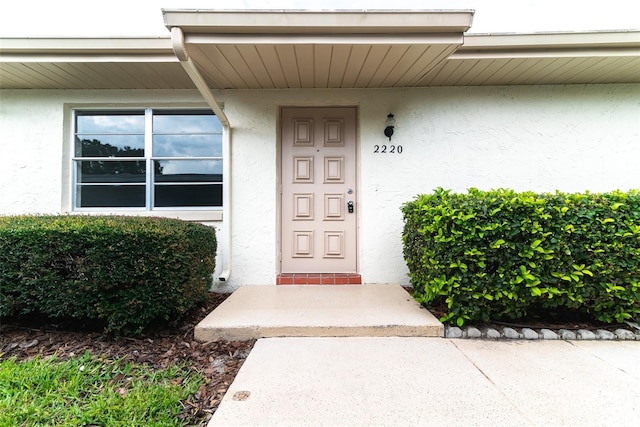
324	22
317	39
564	40
80	45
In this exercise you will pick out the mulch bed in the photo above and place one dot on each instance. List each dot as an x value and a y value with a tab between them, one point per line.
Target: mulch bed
218	362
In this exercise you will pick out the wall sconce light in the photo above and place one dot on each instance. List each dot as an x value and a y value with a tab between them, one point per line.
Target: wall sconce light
390	124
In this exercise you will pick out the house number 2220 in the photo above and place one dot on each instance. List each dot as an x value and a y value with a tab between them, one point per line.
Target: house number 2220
384	149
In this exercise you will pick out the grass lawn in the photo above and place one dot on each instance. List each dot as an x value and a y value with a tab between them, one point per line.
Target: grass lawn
87	391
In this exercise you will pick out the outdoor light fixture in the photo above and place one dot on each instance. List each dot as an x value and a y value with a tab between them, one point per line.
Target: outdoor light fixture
389	125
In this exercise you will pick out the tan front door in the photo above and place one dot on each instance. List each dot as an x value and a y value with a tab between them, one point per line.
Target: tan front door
319	207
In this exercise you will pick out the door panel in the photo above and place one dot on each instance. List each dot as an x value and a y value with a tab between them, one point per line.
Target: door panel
318	183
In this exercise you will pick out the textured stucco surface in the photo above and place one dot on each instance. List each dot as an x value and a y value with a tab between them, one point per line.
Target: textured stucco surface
570	138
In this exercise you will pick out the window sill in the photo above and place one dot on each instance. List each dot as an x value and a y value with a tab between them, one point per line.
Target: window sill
195	216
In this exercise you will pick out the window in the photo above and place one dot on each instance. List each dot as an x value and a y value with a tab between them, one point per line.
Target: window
147	159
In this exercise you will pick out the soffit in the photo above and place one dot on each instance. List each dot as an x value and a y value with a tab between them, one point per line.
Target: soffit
530	59
311	62
90	63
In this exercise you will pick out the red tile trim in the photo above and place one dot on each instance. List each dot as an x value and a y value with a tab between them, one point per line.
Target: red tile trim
284	281
314	280
355	279
318	279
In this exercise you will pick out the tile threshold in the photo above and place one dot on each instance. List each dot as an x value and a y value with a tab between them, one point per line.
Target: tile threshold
318	279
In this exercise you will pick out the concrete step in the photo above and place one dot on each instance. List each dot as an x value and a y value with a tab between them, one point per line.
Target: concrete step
253	312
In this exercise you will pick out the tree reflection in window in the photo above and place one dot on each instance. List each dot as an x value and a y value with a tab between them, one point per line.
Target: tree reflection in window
96	148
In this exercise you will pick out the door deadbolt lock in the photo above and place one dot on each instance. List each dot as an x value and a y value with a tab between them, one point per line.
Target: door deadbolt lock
350	206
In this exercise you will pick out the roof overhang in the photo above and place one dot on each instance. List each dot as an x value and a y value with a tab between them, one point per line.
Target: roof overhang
90	63
311	49
541	58
320	49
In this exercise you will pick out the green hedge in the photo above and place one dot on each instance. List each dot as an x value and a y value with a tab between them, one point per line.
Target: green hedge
502	254
125	272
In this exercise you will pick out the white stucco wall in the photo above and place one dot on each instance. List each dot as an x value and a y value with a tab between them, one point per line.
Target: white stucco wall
31	138
571	138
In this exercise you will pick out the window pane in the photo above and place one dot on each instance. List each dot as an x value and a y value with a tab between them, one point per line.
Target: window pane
186	123
109	145
188	170
87	122
110	196
111	171
187	145
111	181
188	195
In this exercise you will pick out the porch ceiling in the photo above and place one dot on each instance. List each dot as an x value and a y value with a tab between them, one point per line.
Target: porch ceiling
318	62
302	49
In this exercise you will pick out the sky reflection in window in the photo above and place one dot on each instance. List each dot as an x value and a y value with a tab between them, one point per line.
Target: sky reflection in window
186	123
112	123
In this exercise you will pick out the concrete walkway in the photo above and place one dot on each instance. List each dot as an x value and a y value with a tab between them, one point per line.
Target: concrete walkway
409	381
370	356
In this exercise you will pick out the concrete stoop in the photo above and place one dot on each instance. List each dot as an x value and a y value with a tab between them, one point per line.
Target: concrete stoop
253	312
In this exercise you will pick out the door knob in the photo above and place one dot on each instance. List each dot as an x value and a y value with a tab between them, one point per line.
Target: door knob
350	206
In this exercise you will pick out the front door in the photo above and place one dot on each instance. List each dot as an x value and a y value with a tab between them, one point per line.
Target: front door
319	208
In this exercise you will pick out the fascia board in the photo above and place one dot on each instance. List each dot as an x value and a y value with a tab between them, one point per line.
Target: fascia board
67	58
90	46
536	41
556	53
318	22
315	39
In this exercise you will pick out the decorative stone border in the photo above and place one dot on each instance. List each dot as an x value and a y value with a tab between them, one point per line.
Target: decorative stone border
471	332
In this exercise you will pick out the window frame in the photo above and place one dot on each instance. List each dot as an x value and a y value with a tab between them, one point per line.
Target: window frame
149	159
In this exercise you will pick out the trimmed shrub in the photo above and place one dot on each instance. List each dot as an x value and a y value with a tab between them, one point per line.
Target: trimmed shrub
125	272
502	254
